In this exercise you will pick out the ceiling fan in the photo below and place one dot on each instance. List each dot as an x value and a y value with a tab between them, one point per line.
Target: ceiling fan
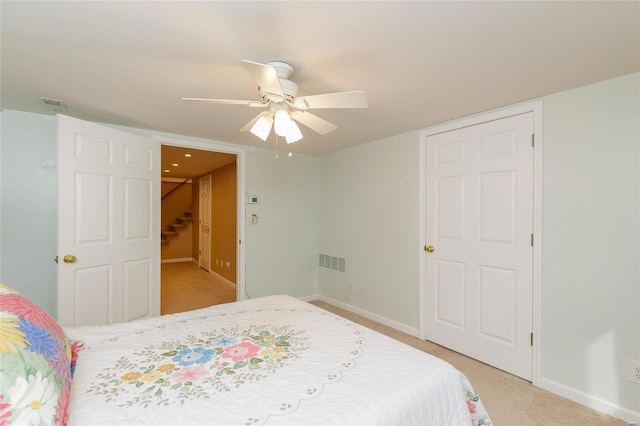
280	95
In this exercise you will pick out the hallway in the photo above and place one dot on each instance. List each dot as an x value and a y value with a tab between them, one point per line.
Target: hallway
186	286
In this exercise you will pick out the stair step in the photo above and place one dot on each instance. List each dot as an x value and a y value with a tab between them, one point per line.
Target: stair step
165	235
176	227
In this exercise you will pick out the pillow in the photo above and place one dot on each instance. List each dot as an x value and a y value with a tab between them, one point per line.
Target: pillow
35	363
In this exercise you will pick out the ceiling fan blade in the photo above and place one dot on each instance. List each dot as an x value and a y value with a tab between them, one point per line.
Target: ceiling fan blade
265	75
315	123
250	124
354	99
226	102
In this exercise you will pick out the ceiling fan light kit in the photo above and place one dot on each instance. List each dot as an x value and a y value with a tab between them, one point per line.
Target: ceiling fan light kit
280	95
262	127
285	127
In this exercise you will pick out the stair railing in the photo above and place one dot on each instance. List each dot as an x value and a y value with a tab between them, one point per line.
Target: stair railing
175	189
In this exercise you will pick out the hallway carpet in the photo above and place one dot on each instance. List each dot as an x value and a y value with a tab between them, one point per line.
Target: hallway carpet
185	286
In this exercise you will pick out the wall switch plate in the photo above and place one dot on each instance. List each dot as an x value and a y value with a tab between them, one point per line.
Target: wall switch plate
352	285
634	372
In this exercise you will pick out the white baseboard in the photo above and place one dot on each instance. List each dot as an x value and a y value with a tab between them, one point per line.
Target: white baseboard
178	260
224	280
310	298
590	401
374	317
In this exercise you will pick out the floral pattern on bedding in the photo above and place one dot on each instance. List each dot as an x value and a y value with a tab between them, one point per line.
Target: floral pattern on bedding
195	366
479	416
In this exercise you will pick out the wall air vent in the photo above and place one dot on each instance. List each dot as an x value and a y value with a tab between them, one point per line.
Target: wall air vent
334	263
54	105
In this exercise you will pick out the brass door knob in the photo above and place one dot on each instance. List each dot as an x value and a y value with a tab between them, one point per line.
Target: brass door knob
69	258
429	249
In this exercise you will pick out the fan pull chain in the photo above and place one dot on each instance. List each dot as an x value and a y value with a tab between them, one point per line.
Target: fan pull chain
290	154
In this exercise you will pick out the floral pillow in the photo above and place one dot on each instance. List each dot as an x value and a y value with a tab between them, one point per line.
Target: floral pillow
35	363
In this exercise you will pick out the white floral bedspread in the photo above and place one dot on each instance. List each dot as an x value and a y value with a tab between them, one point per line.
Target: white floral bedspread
272	360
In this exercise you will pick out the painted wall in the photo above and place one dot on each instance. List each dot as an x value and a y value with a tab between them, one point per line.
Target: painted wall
591	282
369	215
28	195
223	221
282	248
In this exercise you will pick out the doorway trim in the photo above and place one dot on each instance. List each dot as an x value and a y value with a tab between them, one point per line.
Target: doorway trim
537	108
240	153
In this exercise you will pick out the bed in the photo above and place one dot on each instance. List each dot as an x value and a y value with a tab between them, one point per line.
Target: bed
265	361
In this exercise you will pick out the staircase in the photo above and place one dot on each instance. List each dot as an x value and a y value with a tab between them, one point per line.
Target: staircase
173	229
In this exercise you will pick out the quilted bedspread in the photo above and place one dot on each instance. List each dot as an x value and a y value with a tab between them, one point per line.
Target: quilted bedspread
272	360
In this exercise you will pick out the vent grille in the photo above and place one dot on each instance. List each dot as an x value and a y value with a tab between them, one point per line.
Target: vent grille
333	263
53	104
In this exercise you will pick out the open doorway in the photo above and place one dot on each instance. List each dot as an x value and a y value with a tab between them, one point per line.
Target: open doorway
199	220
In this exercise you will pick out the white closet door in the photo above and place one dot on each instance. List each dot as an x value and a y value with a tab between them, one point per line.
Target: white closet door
479	210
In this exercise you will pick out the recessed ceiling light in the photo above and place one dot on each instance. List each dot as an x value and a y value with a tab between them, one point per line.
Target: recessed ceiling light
187	155
167	171
175	164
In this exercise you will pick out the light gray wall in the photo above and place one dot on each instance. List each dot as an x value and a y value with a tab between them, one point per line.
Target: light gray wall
369	215
282	248
28	197
591	253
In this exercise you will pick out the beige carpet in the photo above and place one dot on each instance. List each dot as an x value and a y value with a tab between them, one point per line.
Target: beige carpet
186	286
509	400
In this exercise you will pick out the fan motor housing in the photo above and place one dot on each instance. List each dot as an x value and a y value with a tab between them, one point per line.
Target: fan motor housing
283	69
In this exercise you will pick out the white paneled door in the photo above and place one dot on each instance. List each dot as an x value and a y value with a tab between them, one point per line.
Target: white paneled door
108	224
205	223
479	264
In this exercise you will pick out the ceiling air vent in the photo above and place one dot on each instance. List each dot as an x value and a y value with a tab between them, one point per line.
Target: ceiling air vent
54	105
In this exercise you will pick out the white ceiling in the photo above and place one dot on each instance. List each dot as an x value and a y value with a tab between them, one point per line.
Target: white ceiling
420	63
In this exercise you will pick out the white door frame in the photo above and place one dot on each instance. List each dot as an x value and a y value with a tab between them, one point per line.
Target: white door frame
240	153
536	108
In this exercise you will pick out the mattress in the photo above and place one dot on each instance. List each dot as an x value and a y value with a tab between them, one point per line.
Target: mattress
264	361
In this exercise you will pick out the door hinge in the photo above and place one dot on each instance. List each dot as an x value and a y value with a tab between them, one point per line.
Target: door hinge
531	240
531	338
533	140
